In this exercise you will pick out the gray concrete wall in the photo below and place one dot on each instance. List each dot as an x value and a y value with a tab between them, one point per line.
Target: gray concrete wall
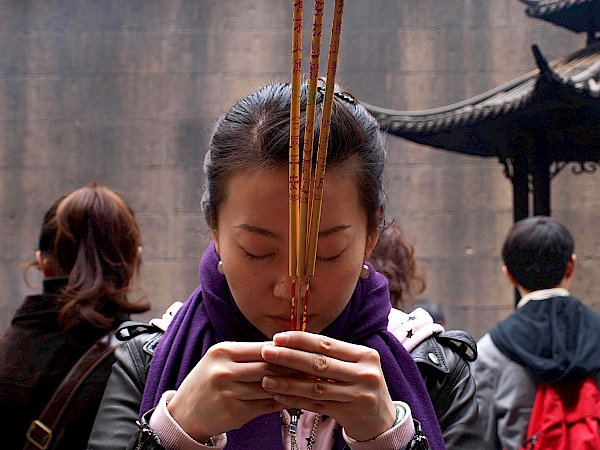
126	92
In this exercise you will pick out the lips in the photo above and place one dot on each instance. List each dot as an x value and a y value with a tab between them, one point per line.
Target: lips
286	320
281	319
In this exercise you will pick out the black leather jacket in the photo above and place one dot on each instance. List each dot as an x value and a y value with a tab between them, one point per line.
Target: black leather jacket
443	360
116	427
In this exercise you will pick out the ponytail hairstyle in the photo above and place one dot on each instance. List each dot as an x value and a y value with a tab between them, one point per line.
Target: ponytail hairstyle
96	244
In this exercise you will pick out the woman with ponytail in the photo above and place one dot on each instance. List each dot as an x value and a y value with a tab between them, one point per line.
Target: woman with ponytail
88	255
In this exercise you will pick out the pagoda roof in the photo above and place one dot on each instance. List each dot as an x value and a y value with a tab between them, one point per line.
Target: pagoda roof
560	99
576	15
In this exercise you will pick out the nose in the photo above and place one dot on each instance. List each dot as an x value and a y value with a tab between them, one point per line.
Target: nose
283	288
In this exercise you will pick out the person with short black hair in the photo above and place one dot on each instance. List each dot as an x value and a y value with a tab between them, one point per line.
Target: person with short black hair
550	336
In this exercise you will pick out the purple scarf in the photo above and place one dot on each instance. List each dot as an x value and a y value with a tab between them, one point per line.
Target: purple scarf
210	315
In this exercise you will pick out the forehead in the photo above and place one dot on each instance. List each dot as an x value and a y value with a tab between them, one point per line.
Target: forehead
262	196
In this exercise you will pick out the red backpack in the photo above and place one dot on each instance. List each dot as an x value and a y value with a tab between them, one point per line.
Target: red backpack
565	416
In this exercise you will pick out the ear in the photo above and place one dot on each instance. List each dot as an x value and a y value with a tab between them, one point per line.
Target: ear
38	258
215	235
44	264
370	245
509	276
137	262
570	269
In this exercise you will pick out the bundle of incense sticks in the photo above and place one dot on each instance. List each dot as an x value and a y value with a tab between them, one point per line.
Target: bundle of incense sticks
306	187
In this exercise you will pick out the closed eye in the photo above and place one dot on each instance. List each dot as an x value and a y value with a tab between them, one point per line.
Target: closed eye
331	259
252	257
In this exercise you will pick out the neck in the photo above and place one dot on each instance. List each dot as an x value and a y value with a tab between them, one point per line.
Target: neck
565	283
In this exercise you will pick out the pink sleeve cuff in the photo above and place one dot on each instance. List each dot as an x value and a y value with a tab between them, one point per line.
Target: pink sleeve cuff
396	437
171	435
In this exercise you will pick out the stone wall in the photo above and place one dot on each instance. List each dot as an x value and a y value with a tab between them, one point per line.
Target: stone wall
126	92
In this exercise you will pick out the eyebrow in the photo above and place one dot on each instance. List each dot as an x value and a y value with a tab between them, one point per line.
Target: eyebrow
333	230
258	230
270	234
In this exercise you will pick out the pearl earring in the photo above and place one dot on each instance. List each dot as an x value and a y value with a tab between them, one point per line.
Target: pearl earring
365	272
220	268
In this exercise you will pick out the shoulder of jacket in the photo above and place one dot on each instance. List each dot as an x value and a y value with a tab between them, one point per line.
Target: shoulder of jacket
145	336
145	343
489	355
460	342
443	351
135	354
149	344
141	338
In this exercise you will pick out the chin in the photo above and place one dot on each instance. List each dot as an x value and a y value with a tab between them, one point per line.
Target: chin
314	327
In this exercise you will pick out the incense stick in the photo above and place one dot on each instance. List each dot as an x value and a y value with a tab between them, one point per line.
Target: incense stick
304	224
309	131
299	303
294	151
319	177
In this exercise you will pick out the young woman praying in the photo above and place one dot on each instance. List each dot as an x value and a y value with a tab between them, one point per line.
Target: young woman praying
227	373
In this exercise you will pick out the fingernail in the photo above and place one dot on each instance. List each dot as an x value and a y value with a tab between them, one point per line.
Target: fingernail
269	383
269	352
280	338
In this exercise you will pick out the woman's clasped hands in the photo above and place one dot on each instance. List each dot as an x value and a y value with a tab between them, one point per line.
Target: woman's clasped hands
237	381
343	381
